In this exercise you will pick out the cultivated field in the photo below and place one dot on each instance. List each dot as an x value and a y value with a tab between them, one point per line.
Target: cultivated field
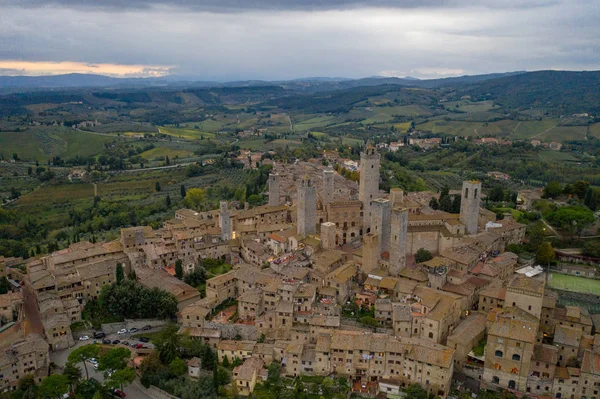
41	143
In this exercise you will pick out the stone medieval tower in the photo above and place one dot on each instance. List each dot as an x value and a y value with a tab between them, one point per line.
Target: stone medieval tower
469	205
328	187
328	235
369	181
370	252
307	207
381	210
224	221
399	240
273	189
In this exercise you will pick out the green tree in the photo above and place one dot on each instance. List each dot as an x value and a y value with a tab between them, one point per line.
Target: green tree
545	253
182	191
4	285
168	201
261	339
113	360
179	269
168	344
120	273
571	218
157	186
423	255
177	367
592	248
273	375
97	395
27	387
83	354
223	377
580	187
73	374
120	378
552	190
54	386
416	391
434	204
194	198
225	362
208	358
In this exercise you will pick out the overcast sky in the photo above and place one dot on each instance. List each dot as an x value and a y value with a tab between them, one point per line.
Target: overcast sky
268	39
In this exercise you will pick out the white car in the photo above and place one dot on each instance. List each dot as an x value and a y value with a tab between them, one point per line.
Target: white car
84	338
122	331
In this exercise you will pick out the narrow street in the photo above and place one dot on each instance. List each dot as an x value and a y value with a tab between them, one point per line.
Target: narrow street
32	323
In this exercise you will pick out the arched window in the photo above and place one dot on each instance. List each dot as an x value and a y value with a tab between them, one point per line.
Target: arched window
495	380
466	193
512	384
475	194
499	354
430	335
516	357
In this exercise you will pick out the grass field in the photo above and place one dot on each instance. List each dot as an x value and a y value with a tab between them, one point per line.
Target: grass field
562	133
595	130
313	123
251	144
283	142
557	156
528	129
161	152
41	142
450	127
469	106
573	283
402	110
190	134
352	142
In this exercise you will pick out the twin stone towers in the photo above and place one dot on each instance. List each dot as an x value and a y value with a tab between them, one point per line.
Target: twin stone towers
384	223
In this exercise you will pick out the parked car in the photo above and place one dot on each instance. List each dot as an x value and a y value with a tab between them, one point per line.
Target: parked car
144	339
139	346
116	341
147	327
125	343
132	330
118	393
122	331
106	341
99	335
84	338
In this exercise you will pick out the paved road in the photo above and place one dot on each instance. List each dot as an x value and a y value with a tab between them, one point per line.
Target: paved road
133	391
32	322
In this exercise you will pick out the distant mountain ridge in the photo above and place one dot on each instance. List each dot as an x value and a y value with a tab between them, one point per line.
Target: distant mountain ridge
310	84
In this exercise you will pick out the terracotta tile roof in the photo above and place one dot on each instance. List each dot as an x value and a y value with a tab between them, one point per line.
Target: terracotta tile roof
565	335
591	363
545	353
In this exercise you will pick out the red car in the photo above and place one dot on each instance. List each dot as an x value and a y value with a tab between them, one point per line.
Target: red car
118	393
139	346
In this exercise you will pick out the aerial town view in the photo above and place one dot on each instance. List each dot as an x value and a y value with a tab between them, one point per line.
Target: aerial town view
191	209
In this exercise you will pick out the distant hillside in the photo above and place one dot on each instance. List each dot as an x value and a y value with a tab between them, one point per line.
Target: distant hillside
557	92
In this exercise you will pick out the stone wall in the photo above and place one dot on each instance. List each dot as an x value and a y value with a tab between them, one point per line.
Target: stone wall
111	328
230	331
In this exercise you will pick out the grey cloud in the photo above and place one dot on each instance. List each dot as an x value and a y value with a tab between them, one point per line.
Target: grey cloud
12	72
290	5
282	44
